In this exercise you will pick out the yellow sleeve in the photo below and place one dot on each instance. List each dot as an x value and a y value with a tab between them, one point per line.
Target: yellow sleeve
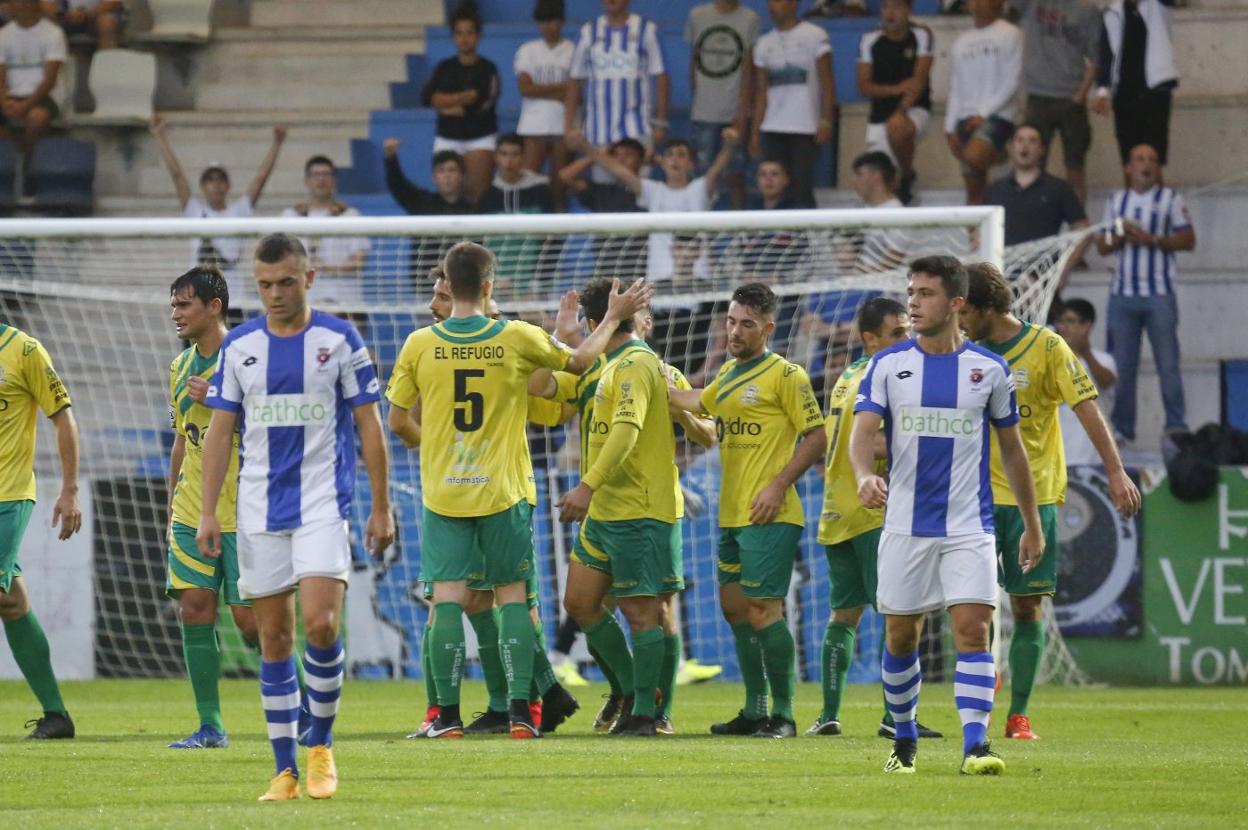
708	395
1074	385
798	400
677	378
175	422
542	348
42	380
565	387
402	390
546	411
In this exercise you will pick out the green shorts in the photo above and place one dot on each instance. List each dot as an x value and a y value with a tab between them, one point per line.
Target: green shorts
489	550
1009	524
14	516
636	553
477	585
852	570
188	568
760	557
677	548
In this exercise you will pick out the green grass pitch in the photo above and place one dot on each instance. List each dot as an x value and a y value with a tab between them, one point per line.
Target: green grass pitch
1130	758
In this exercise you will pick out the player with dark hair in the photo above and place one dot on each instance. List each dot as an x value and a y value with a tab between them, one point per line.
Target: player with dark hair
1046	374
768	421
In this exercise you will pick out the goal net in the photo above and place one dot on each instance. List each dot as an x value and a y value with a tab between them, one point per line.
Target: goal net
96	293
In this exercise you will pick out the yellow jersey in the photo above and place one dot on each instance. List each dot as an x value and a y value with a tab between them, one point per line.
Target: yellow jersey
27	382
843	516
632	394
190	420
1046	375
471	375
761	408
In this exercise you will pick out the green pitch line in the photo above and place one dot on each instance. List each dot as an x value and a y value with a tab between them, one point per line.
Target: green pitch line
1126	758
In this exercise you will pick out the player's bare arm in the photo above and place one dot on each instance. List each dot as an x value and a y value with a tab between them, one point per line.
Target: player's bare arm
1122	490
405	423
217	445
176	456
379	532
1018	473
770	499
872	488
68	510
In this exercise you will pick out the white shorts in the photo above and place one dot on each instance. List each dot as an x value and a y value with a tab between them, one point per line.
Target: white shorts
273	563
464	146
918	574
877	135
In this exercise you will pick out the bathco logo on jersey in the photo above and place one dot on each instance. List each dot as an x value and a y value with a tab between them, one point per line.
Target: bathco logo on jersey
289	410
940	422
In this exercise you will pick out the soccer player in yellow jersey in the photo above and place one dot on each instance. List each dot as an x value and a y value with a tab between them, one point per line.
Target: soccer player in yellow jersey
28	382
763	406
471	374
1046	375
850	531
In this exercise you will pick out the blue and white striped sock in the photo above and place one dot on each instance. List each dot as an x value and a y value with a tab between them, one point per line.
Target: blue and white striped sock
902	681
974	684
323	671
279	693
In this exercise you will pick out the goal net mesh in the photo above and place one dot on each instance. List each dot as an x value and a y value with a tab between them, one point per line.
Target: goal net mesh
97	297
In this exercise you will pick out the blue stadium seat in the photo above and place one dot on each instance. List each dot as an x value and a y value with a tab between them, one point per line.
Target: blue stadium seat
62	176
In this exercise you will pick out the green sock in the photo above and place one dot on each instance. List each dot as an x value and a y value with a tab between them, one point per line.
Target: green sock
779	652
516	646
543	673
612	680
1026	647
485	624
648	664
30	651
202	652
838	653
446	642
610	649
750	659
426	666
668	671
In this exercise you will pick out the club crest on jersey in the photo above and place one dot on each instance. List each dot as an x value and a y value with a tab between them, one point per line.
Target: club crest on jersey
977	375
322	357
750	396
2	376
1022	378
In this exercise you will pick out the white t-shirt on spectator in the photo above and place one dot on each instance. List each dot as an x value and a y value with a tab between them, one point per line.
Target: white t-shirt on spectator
25	54
790	60
987	68
657	197
229	247
545	65
335	252
1079	449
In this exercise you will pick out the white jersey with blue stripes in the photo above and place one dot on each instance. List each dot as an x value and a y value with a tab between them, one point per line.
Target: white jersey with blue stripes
1141	271
617	62
294	396
937	410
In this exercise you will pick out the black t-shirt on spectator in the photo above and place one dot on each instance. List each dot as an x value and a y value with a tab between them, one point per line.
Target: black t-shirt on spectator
892	61
479	119
608	197
1035	211
426	251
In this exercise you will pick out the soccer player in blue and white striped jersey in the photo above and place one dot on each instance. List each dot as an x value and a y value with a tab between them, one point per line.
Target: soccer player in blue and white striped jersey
937	394
616	56
295	379
1149	222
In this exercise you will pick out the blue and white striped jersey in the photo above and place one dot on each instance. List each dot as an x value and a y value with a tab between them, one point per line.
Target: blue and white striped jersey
937	409
294	396
617	63
1141	271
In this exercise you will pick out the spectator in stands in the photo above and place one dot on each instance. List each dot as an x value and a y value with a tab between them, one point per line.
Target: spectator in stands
99	19
614	256
618	51
722	35
1148	224
518	190
1061	39
226	253
447	199
542	68
875	180
1136	70
794	96
32	52
338	260
464	91
979	115
894	64
1037	204
772	181
1074	323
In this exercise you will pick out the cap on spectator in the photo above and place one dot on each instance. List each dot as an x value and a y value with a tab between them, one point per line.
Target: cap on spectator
548	10
214	168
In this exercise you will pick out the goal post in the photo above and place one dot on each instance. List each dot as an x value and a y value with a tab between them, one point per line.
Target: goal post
96	293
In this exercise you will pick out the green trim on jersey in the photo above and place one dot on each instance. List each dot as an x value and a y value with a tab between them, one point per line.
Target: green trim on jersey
473	331
1003	348
10	339
738	377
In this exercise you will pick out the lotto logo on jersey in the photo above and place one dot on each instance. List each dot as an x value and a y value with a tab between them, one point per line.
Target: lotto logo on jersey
940	422
293	410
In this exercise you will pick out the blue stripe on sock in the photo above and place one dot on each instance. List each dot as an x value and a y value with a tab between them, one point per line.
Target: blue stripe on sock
324	697
974	656
899	708
328	654
896	665
973	734
975	680
904	687
321	671
278	678
973	703
907	730
321	731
